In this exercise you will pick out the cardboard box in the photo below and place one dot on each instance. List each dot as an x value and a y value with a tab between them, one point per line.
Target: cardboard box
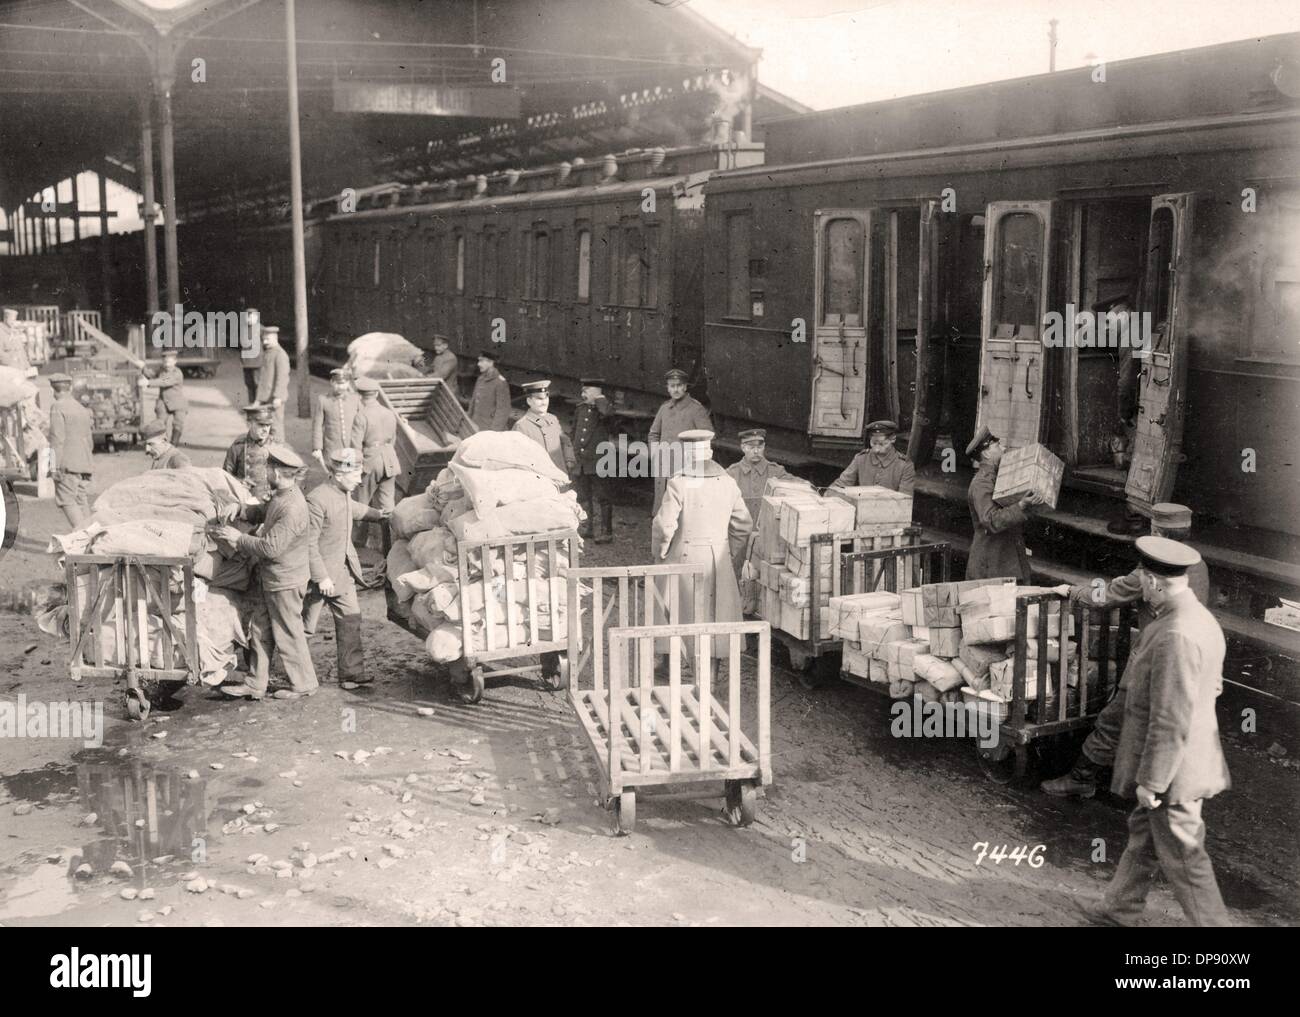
847	611
874	630
856	662
879	671
945	641
875	506
1031	468
786	487
799	560
796	590
796	621
909	606
977	658
801	520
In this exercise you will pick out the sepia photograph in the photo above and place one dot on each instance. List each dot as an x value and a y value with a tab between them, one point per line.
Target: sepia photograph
649	463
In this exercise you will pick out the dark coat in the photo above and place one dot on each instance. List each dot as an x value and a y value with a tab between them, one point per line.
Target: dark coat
998	547
892	470
591	429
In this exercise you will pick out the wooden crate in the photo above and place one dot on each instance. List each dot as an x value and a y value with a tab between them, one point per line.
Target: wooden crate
1031	468
431	424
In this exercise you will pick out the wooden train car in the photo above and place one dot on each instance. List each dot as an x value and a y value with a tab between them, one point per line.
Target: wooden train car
901	259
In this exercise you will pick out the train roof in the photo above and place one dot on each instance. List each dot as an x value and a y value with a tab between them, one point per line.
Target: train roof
1251	76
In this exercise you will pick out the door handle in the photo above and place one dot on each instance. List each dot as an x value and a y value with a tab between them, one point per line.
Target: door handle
1029	367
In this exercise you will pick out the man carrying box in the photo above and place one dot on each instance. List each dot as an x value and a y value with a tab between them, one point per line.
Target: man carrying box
880	464
998	546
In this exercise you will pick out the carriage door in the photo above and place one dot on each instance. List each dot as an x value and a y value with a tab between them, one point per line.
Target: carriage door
1161	376
840	367
1016	289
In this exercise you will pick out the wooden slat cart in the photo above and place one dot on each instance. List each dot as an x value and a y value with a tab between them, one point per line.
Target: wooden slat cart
545	556
121	594
431	424
649	730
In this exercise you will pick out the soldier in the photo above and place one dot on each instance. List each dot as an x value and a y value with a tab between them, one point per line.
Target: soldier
753	471
879	464
251	352
445	363
998	546
1175	523
489	406
281	548
544	428
171	404
334	417
1169	754
375	433
335	568
72	444
703	520
591	432
246	457
273	383
680	413
165	456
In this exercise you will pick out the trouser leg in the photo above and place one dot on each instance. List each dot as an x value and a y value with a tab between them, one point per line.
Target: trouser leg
1127	893
70	494
284	608
582	484
1099	748
1178	833
347	634
363	493
178	426
277	423
250	383
261	642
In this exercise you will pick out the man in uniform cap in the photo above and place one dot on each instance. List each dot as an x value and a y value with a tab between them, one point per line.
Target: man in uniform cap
156	446
592	433
682	412
250	352
334	565
282	550
375	433
1167	520
879	464
703	520
171	405
72	444
246	457
489	405
445	364
1169	754
273	384
753	471
544	428
998	546
333	417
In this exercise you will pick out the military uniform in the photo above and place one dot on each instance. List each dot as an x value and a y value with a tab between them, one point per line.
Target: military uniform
489	405
591	432
332	421
445	365
282	550
72	445
752	479
250	359
546	431
869	469
171	404
333	556
998	546
246	460
273	386
674	417
375	434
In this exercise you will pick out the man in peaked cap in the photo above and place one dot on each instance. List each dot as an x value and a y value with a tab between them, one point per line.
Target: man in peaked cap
543	427
1169	755
879	464
246	458
334	565
171	405
273	383
754	470
72	445
682	412
489	405
156	446
998	546
374	432
445	363
333	417
281	547
1167	520
592	431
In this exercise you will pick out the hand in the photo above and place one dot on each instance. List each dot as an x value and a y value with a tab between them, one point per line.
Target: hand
318	455
1032	499
326	587
1147	798
277	403
663	551
1064	590
386	513
144	380
226	534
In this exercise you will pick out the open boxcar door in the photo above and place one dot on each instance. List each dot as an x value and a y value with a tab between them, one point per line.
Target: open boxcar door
1162	376
841	246
1018	243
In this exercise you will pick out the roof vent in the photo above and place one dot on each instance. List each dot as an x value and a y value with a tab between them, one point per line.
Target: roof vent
512	178
608	168
562	173
657	155
480	185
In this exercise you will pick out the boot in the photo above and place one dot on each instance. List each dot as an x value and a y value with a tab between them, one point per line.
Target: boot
1080	782
606	535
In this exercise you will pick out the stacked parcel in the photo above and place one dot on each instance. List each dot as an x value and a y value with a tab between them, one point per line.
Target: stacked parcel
499	485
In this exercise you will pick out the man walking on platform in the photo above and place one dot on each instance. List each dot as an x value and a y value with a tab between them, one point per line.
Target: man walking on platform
681	412
489	406
273	385
591	431
72	444
333	417
171	405
375	433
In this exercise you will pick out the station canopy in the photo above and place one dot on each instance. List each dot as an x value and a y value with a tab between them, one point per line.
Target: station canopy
390	90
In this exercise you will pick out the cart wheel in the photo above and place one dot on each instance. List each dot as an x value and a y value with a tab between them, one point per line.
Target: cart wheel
559	678
476	685
742	802
819	672
998	764
625	812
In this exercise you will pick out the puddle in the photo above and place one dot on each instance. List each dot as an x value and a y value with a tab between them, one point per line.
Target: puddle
39	785
143	812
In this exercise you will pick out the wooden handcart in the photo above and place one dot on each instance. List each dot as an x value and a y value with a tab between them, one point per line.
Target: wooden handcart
431	425
545	556
665	730
114	596
1056	709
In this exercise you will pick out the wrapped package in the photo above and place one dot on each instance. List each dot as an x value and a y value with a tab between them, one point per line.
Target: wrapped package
423	615
939	673
380	347
385	370
163	537
556	512
409	584
399	560
454	509
413	515
800	520
944	641
876	506
977	657
193	495
507	450
799	560
847	612
968	677
487	489
855	662
432	547
901	688
1025	470
444	488
879	628
878	671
